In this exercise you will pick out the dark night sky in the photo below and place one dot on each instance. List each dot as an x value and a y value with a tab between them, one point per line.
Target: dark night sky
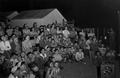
83	11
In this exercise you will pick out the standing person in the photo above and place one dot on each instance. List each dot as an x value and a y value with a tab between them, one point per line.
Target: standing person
88	42
40	63
56	71
49	71
1	31
112	39
17	46
43	54
27	45
98	62
102	49
66	32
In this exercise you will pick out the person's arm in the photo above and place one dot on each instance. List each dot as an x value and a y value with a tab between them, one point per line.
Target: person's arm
14	69
1	51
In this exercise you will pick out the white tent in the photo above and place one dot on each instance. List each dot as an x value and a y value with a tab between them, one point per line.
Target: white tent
4	16
41	17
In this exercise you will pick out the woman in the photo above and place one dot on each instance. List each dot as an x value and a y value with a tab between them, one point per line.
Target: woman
56	71
27	45
49	71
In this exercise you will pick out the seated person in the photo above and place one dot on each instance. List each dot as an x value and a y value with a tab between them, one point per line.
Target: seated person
57	57
79	55
5	44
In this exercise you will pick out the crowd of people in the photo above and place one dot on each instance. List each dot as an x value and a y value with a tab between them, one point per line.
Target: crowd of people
38	51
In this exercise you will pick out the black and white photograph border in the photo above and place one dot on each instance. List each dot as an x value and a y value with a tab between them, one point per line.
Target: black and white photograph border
59	39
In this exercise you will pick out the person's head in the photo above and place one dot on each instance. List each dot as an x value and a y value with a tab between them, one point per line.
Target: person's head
90	37
80	50
3	38
35	24
23	66
35	69
48	49
56	52
56	64
102	45
23	54
30	55
16	39
43	51
98	53
60	35
27	37
36	53
51	64
53	41
58	28
66	28
25	26
94	38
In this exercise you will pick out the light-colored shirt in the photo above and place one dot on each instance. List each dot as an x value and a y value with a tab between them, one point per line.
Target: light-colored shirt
26	31
57	57
5	46
82	34
79	56
66	33
27	45
43	55
58	31
91	34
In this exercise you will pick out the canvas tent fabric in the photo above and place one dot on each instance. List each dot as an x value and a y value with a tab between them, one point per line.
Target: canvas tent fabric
41	17
33	14
8	15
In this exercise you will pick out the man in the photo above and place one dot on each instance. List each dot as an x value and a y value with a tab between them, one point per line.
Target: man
66	32
43	54
102	49
79	55
5	46
40	63
27	45
9	31
26	30
98	62
82	33
88	42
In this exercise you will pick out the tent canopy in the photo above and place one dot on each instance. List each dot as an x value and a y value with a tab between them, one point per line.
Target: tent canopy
8	15
33	14
41	17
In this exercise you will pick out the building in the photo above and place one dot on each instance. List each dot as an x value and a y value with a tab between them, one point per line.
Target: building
41	17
